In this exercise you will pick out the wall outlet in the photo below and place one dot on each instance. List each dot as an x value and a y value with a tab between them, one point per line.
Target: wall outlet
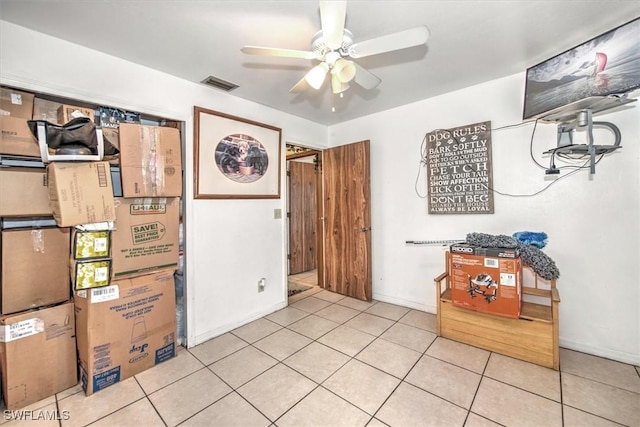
261	284
277	213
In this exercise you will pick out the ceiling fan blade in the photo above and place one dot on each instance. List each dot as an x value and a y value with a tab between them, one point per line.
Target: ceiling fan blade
400	40
332	17
271	51
365	78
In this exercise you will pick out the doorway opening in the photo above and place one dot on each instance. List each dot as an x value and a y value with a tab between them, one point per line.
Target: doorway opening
304	220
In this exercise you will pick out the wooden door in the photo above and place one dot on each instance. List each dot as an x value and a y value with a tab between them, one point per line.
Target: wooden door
302	217
347	225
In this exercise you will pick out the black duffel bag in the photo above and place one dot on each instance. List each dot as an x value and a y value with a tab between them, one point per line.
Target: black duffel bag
79	131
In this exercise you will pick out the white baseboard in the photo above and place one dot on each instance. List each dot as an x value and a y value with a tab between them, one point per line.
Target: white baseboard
405	303
633	359
199	339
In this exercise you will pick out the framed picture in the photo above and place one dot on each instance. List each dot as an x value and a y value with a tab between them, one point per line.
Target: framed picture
235	158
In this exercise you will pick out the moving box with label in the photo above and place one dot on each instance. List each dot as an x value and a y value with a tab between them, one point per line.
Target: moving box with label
125	328
146	236
37	354
150	161
34	268
80	193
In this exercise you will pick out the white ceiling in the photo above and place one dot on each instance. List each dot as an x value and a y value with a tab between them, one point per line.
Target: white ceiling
471	42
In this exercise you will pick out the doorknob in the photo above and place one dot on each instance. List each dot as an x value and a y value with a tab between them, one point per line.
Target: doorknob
366	229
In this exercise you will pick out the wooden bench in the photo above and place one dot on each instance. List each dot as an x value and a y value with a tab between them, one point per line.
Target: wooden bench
533	337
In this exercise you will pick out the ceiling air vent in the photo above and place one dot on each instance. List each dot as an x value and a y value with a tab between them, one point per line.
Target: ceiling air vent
220	84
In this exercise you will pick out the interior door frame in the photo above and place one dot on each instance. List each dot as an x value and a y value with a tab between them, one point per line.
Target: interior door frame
319	211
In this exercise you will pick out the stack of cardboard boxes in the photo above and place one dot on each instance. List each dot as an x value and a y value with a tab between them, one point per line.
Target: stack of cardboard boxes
100	281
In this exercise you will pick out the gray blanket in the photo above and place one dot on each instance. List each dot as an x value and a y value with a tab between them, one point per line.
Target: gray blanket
540	262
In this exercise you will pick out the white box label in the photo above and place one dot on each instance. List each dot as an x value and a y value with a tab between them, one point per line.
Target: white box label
16	99
100	244
107	293
23	329
491	262
101	274
507	279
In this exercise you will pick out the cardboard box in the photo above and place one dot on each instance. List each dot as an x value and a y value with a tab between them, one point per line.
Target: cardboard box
16	107
150	161
16	138
66	113
91	244
46	110
34	268
486	279
37	354
125	328
16	103
80	193
146	237
24	192
90	273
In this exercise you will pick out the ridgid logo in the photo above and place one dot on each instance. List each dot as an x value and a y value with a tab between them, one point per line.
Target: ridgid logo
144	233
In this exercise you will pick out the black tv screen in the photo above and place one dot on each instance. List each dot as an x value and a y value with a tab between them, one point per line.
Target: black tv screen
605	65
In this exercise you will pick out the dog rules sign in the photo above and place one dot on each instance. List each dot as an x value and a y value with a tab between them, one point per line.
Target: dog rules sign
459	170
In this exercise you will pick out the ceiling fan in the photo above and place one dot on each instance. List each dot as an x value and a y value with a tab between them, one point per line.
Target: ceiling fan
333	46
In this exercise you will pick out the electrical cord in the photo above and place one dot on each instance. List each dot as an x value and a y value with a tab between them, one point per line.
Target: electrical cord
564	156
423	161
577	169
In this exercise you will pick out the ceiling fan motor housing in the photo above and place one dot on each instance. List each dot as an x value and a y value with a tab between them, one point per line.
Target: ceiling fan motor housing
320	48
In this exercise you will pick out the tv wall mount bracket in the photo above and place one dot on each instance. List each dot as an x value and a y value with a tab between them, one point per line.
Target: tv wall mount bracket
581	117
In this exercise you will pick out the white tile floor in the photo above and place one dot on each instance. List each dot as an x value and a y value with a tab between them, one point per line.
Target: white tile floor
327	360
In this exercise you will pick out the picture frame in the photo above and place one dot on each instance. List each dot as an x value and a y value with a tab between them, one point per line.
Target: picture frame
235	158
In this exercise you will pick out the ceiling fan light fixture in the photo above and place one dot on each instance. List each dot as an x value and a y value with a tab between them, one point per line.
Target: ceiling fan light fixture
316	76
344	70
337	86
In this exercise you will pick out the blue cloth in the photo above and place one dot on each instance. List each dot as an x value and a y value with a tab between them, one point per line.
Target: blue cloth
539	240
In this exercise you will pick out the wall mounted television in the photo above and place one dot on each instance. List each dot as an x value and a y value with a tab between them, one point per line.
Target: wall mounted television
608	64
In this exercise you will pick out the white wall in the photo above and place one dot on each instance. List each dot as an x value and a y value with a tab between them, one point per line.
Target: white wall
230	244
592	221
